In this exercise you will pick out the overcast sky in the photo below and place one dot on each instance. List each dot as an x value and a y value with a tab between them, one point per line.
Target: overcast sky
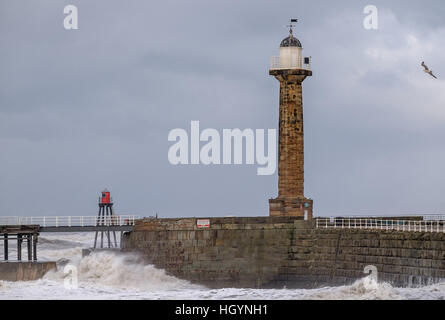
85	109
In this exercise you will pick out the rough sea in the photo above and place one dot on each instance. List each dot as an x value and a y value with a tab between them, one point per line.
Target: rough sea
115	275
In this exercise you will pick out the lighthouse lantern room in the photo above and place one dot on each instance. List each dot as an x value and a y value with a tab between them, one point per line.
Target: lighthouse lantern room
291	54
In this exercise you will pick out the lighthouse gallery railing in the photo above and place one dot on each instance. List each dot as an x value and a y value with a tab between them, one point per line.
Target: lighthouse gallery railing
275	64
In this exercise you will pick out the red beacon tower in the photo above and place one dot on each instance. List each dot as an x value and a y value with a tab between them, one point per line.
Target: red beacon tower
105	219
105	198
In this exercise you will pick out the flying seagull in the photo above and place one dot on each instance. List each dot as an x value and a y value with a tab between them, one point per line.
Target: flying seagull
427	70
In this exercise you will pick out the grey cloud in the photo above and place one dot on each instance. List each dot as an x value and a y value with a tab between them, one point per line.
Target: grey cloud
92	108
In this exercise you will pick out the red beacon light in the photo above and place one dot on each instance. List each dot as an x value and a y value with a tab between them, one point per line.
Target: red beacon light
106	218
105	198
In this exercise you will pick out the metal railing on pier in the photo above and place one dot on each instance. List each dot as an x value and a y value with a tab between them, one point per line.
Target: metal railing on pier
409	216
430	225
70	221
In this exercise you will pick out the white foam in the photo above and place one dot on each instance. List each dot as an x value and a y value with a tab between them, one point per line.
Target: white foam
120	270
363	289
114	275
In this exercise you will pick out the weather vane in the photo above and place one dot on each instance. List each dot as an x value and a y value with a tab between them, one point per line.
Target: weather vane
292	21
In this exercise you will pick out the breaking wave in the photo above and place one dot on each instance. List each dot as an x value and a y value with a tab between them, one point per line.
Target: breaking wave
362	289
120	270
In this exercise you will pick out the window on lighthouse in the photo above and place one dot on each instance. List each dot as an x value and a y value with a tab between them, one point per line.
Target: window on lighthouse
294	60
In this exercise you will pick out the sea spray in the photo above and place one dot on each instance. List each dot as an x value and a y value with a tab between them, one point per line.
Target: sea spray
363	289
121	270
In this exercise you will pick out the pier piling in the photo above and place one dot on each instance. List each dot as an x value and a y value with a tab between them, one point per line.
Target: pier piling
20	233
19	247
5	239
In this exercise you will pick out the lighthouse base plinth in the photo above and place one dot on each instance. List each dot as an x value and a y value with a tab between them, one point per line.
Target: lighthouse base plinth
291	207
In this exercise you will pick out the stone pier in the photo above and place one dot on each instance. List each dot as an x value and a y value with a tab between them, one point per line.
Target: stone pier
273	252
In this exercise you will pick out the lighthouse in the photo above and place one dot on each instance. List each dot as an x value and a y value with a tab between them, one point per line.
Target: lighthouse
105	218
291	69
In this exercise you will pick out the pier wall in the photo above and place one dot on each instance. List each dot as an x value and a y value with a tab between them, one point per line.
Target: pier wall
24	271
273	252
